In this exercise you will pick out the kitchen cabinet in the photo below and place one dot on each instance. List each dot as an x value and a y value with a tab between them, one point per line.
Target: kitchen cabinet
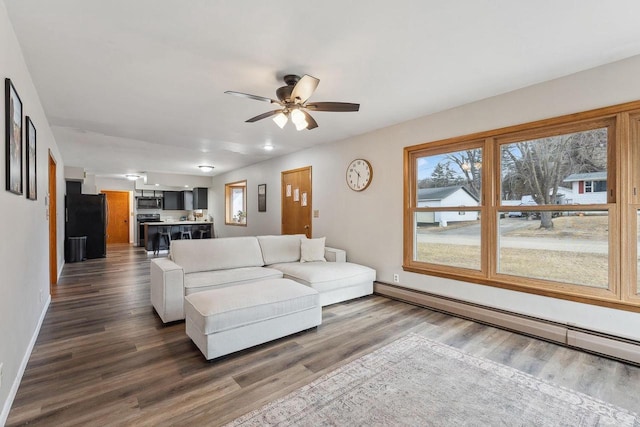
186	200
171	201
200	198
178	200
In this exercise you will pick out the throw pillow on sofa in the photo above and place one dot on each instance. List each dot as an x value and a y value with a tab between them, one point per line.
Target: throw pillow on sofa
312	250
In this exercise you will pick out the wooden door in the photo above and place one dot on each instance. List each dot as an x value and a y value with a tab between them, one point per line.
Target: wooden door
117	216
53	225
296	201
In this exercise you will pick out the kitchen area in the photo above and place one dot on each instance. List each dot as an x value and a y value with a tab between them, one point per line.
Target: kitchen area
162	216
146	210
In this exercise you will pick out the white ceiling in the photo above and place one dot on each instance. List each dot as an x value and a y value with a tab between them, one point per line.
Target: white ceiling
138	85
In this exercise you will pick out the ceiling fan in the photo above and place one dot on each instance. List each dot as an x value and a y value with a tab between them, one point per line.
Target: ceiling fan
293	98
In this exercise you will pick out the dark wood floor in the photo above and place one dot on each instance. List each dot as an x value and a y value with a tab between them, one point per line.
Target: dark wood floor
103	356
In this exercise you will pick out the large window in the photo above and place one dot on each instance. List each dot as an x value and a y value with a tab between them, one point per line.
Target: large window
544	174
448	193
545	207
236	203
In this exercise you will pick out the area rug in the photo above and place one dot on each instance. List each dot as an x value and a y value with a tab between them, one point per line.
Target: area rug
415	381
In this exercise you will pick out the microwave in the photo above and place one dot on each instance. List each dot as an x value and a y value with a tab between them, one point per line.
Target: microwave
149	202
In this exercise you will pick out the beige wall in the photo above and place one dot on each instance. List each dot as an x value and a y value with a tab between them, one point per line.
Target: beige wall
369	224
24	227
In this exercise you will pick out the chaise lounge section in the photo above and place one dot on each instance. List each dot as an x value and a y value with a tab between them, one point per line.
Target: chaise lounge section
202	265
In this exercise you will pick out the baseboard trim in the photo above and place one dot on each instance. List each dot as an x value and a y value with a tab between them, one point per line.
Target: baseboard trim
23	366
587	340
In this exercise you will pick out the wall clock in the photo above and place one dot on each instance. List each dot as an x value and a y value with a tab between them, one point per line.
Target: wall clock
359	174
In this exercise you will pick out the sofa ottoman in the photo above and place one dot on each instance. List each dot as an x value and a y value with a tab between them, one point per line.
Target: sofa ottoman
226	320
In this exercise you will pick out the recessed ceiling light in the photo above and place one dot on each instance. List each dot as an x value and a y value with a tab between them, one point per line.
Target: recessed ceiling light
186	186
157	185
132	177
268	147
206	168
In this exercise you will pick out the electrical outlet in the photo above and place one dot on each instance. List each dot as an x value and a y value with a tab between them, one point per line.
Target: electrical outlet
316	214
396	278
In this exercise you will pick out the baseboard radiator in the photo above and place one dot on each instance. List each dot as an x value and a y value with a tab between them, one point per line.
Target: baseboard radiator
567	335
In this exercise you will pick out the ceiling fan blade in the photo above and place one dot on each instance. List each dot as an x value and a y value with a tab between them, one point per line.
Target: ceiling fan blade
333	106
263	116
304	89
311	123
256	97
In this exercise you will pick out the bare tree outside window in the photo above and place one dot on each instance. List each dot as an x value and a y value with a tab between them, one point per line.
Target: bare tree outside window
539	167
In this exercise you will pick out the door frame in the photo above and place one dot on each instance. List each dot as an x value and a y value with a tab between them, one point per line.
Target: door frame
52	215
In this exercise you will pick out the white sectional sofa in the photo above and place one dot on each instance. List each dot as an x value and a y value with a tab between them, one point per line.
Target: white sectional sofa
205	264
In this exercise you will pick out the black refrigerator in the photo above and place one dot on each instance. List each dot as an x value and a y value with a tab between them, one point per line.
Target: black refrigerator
86	215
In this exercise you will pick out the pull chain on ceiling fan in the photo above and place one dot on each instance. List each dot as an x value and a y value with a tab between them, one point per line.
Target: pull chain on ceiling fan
293	99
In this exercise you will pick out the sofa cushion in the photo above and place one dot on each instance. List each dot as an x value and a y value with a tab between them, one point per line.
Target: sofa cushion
228	308
326	276
195	282
276	249
216	254
312	250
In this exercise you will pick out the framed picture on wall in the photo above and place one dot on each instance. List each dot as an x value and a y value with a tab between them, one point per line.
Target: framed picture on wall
32	186
13	133
262	198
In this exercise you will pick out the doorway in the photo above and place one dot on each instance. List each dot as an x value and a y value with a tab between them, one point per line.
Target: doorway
53	224
296	201
117	216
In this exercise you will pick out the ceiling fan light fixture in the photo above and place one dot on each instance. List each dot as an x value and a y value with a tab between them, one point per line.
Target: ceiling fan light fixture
281	120
298	119
292	99
206	168
301	125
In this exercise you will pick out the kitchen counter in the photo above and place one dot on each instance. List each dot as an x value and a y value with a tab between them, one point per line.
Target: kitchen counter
198	229
179	223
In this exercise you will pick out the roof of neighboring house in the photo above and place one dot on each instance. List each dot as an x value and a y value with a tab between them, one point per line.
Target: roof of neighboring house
591	176
439	193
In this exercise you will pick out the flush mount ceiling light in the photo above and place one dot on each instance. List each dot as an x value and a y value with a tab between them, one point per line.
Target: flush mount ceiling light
293	98
268	147
132	177
206	168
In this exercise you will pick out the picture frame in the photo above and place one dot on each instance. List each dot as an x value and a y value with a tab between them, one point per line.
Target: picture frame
13	137
262	197
32	178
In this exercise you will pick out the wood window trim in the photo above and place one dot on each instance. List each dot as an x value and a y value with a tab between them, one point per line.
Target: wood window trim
228	189
623	123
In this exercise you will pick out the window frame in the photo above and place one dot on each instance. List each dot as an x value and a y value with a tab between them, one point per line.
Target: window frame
622	205
629	223
434	149
228	202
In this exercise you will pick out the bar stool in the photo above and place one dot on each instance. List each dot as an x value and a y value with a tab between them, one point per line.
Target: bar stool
204	231
163	233
185	232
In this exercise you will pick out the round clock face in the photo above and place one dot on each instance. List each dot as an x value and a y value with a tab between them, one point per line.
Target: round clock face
359	174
